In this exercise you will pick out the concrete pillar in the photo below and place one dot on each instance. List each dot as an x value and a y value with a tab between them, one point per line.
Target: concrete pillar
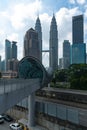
31	110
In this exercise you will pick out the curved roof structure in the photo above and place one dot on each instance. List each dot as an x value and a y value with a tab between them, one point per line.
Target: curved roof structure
30	68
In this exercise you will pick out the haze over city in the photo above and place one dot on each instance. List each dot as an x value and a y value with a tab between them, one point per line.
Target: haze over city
16	17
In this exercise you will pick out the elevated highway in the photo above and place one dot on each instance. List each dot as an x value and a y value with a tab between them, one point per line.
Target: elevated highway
12	91
31	77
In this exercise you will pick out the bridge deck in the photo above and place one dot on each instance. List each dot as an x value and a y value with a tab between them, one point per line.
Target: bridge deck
14	90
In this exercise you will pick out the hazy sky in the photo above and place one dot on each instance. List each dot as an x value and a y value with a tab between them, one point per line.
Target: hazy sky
17	16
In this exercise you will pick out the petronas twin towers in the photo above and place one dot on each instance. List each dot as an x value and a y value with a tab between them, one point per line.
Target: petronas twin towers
31	46
53	42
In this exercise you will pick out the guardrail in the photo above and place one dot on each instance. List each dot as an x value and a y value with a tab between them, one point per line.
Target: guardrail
9	85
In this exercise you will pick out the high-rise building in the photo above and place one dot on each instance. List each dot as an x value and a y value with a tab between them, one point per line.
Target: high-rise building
39	31
78	46
61	65
0	63
86	58
78	53
3	66
13	65
31	44
77	29
66	53
14	50
53	44
7	53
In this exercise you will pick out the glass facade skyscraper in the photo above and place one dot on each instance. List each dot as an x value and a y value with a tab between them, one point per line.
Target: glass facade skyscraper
66	53
7	53
78	46
14	50
78	53
53	44
77	29
38	29
10	52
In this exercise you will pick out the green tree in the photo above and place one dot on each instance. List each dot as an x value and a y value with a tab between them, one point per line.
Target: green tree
61	75
78	76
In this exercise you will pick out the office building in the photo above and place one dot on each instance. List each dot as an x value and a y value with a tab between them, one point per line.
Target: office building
61	65
13	65
66	54
86	58
77	29
78	46
3	66
7	53
78	53
0	63
31	44
39	31
53	44
14	50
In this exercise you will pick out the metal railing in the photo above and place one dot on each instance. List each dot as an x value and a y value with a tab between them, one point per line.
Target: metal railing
9	85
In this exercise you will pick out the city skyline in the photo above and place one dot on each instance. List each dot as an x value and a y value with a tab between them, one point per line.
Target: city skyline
16	18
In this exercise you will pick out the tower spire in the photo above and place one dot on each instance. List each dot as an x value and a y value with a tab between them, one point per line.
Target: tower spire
53	44
39	31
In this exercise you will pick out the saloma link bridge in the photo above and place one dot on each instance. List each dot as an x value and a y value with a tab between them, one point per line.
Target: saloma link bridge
31	76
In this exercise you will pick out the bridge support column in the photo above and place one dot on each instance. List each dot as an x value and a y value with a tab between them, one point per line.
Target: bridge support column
31	109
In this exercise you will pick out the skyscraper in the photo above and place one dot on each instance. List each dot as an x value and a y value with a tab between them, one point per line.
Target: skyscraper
53	44
66	53
77	29
39	31
78	46
7	53
0	63
31	44
14	50
78	53
13	65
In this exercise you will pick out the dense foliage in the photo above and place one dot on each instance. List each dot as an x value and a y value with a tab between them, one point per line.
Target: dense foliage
76	75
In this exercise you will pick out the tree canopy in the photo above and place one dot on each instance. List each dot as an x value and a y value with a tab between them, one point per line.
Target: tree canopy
76	74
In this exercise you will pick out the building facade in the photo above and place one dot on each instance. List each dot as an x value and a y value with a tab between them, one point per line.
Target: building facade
53	44
10	52
61	63
7	53
77	29
13	65
66	53
79	53
31	44
14	50
39	31
0	63
78	46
